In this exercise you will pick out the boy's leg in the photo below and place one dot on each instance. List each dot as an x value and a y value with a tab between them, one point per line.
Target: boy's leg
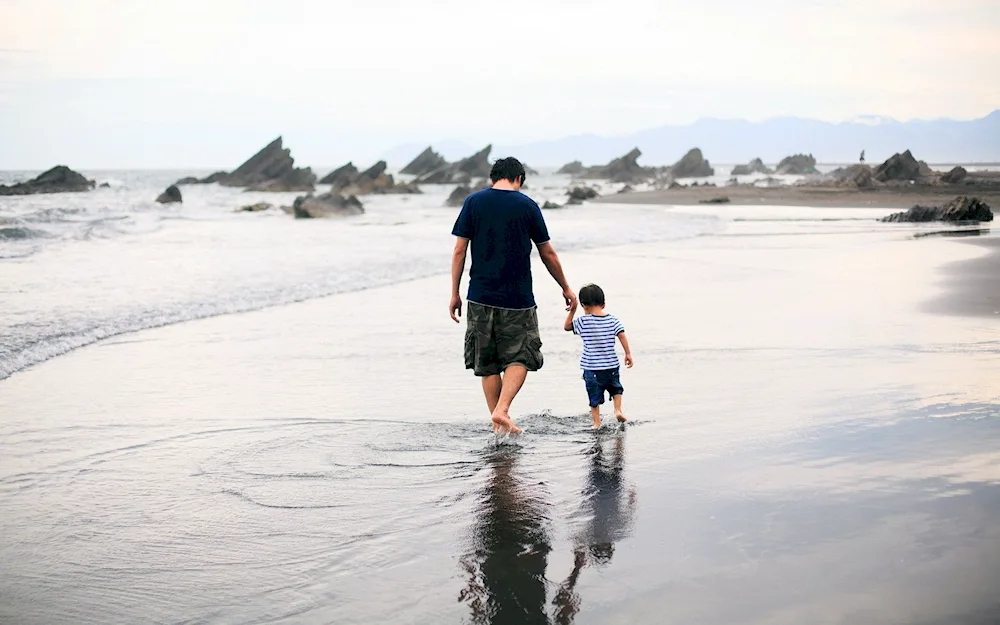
617	399
513	380
491	390
595	413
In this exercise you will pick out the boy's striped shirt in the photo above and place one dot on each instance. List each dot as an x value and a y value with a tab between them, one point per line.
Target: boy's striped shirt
598	334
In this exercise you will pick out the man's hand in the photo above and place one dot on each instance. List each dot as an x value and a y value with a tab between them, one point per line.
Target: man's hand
570	297
455	308
628	360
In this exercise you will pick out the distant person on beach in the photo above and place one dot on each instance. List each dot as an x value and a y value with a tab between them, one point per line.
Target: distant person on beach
862	157
502	343
599	362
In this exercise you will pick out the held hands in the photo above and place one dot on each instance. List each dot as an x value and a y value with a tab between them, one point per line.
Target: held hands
571	301
455	307
628	360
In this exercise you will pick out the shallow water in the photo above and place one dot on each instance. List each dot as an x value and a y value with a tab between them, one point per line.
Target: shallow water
808	444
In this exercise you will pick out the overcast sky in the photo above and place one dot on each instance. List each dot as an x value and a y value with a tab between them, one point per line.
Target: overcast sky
161	83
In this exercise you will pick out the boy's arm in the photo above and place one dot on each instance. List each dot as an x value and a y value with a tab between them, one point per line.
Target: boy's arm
628	351
568	326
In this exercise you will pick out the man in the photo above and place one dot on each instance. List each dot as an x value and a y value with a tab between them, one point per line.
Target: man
502	343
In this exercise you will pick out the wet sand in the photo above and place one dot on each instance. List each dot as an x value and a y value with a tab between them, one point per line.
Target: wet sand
809	446
807	196
973	286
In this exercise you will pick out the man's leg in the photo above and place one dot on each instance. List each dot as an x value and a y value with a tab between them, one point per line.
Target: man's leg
491	389
513	380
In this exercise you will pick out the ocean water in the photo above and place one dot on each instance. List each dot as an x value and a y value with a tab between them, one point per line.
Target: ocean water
806	445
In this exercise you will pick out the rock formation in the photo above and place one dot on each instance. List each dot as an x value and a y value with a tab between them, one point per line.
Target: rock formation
955	176
574	168
59	179
457	197
548	205
188	180
901	167
722	199
577	195
326	205
622	169
961	208
341	177
756	166
172	195
373	180
255	208
692	165
462	172
626	189
426	162
797	165
271	169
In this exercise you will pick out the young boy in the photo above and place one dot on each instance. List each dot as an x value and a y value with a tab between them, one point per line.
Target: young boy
599	362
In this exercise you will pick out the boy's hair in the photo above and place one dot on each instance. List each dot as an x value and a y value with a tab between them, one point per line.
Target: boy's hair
507	169
591	295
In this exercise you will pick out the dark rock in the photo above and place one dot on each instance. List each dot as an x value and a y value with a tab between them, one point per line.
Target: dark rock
901	167
341	177
622	169
374	172
797	165
756	166
859	176
59	179
576	167
255	208
692	165
579	194
674	185
924	169
326	205
462	172
104	185
171	196
426	162
188	180
528	171
457	197
962	208
548	205
955	176
218	176
626	189
271	169
715	200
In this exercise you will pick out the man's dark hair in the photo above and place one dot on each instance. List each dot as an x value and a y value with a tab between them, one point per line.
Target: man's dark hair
591	295
507	169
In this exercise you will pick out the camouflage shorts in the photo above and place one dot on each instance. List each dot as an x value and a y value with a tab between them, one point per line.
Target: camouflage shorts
498	337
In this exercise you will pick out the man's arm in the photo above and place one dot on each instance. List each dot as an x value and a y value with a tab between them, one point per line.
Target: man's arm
457	269
551	261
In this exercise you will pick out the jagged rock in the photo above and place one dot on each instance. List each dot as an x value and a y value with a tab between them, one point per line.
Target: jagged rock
955	176
213	178
462	172
674	185
962	208
172	195
622	169
859	176
756	166
797	165
59	179
548	205
341	177
576	167
426	162
255	208
374	172
528	171
326	205
901	167
271	169
579	194
715	200
457	197
626	189
104	185
924	169
188	180
692	165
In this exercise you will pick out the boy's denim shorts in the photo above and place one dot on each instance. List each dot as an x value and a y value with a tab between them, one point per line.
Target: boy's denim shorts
600	381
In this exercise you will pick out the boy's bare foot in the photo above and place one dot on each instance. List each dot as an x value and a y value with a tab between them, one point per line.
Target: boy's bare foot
503	423
621	417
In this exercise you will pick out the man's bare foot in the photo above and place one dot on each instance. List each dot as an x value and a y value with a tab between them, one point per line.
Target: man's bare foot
503	423
621	417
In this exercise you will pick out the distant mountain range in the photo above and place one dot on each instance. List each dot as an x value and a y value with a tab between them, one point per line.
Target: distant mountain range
737	141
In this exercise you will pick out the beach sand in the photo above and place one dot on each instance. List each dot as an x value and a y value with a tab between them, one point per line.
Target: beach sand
810	444
807	196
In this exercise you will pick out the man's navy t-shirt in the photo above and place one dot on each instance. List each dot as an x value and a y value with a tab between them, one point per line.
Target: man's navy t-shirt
500	226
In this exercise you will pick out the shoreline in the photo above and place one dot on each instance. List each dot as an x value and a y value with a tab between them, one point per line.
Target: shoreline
805	196
972	286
